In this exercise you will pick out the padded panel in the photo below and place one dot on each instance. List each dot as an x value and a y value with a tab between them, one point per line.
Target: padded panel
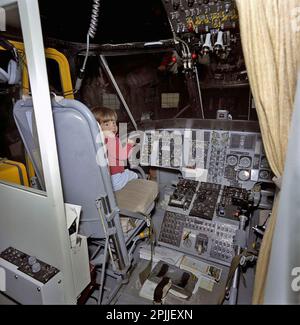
137	196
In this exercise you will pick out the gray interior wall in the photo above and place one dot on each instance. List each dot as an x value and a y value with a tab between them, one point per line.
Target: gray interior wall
286	241
27	224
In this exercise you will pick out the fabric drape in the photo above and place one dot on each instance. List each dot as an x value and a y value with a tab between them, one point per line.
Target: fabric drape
270	32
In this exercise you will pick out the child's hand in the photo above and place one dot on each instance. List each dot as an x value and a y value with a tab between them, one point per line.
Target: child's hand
108	134
132	138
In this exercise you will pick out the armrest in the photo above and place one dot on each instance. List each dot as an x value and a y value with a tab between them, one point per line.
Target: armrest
140	171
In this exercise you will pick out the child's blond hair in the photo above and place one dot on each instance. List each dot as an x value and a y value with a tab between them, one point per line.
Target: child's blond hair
104	114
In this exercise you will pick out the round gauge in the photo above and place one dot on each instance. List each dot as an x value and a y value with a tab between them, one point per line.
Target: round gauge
232	160
244	175
264	163
245	162
264	174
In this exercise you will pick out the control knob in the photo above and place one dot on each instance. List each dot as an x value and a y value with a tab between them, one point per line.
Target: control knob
31	260
36	267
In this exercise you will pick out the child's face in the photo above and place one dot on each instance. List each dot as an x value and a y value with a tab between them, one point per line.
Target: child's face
110	125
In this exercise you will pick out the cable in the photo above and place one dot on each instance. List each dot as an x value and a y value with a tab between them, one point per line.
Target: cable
90	34
86	53
94	19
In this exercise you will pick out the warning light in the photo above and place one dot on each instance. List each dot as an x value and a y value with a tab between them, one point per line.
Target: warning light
174	60
194	56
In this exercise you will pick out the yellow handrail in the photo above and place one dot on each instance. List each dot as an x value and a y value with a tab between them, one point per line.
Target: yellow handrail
64	70
65	79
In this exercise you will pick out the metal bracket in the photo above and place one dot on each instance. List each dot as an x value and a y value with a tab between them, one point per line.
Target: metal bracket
111	231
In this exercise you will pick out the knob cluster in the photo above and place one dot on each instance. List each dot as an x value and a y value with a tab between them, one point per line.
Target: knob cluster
35	265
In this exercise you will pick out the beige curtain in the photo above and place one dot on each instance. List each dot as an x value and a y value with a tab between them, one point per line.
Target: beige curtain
270	34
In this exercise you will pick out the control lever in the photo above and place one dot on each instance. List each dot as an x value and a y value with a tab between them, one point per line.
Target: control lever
219	45
207	46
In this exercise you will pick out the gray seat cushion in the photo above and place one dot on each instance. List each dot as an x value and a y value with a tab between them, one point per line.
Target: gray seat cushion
137	196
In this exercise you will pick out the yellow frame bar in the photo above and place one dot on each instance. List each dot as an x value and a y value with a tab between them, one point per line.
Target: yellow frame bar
64	70
65	79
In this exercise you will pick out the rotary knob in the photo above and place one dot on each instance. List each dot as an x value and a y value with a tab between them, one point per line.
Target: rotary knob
31	260
36	267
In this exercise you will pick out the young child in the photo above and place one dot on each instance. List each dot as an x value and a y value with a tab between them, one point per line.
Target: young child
116	153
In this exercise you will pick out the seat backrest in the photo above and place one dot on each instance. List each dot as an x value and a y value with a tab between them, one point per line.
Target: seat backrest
78	144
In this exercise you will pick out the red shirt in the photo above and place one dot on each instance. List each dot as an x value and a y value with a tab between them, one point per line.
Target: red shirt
117	154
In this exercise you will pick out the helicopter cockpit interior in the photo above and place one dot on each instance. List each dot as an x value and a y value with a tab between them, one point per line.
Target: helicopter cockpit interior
199	211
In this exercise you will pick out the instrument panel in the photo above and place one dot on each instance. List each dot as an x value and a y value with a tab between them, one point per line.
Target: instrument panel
202	238
202	219
29	265
201	15
230	158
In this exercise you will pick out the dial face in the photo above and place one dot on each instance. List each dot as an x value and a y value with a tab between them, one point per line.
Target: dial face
232	160
264	174
245	162
264	163
244	175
